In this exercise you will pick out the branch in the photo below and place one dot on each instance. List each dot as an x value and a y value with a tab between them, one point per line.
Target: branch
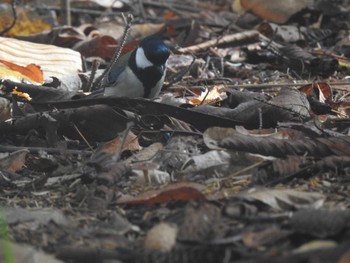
244	36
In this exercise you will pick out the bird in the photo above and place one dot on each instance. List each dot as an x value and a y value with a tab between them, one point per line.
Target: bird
139	73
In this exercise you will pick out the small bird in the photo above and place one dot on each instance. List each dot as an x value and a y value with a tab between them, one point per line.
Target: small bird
139	73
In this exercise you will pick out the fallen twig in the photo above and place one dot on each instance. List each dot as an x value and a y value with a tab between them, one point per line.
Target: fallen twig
116	55
7	148
248	35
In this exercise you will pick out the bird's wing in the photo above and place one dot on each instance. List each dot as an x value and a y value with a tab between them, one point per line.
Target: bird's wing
118	68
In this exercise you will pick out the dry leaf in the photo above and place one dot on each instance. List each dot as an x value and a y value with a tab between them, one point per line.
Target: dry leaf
53	61
145	29
215	134
36	216
146	154
168	14
14	161
9	74
171	193
324	91
149	174
212	96
5	109
270	235
26	96
218	163
24	253
31	71
272	10
98	46
284	199
114	146
28	21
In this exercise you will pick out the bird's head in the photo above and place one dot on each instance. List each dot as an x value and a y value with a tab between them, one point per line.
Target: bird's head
151	52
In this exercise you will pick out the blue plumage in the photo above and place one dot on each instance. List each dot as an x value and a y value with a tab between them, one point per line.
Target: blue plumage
114	74
141	72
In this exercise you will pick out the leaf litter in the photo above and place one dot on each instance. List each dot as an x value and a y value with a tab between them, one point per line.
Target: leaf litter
243	157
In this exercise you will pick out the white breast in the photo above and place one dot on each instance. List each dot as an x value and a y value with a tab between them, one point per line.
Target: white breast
127	85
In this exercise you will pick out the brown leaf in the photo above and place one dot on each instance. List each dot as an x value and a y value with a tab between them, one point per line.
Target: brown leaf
31	71
27	20
212	96
284	199
171	193
100	46
114	146
318	147
292	100
53	61
305	62
168	14
320	91
273	10
293	167
14	161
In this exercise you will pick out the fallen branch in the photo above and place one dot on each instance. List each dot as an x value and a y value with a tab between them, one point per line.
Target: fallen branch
238	37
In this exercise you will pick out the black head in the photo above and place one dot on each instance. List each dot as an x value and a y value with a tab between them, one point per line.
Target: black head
155	50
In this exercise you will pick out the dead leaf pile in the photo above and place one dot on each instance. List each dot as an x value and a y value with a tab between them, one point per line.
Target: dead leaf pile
244	157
